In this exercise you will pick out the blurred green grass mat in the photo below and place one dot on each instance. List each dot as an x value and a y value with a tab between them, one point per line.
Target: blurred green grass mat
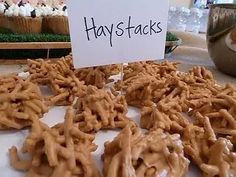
171	37
8	36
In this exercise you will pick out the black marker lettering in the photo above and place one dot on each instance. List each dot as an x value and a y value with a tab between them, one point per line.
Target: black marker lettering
88	29
138	29
110	32
152	27
129	27
158	26
120	29
144	28
101	31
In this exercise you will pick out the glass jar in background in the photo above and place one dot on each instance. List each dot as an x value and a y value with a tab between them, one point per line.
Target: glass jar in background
186	14
182	14
223	1
193	22
172	18
204	21
201	4
209	2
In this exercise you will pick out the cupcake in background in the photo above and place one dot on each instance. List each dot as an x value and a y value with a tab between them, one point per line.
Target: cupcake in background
24	18
9	2
31	2
48	2
57	22
3	7
13	10
44	9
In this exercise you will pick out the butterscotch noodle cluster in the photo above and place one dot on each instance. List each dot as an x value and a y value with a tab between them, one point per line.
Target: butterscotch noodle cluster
214	156
62	150
220	108
39	68
144	82
20	102
64	81
59	77
98	76
153	118
100	109
156	153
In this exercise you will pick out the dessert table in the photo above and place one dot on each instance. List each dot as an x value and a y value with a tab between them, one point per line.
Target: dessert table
188	55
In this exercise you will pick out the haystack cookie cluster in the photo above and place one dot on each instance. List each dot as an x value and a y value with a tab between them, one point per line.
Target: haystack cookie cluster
21	101
62	150
156	153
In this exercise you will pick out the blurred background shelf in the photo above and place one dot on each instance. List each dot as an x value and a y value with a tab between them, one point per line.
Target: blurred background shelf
33	50
35	45
23	50
17	47
24	46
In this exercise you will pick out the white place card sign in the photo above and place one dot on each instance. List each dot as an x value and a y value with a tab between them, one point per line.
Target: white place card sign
117	31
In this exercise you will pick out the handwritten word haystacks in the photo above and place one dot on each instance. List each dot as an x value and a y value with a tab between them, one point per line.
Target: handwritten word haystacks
20	102
62	150
187	116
